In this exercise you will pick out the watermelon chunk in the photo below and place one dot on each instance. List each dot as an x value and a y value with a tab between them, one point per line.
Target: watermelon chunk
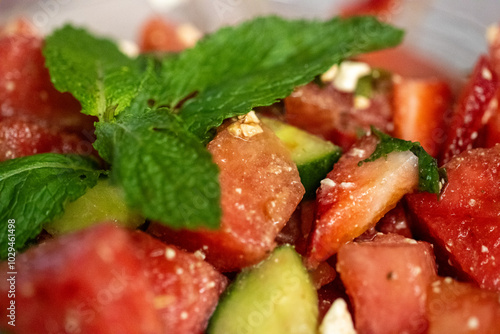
464	224
386	280
87	282
186	289
462	308
260	188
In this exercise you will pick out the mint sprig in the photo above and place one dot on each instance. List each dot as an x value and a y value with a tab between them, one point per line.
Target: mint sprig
155	119
262	61
94	70
167	174
34	190
429	175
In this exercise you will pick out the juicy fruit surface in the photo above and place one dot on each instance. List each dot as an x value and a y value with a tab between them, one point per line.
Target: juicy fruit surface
353	198
186	289
470	110
19	138
462	308
386	280
26	91
464	222
260	188
124	282
102	203
276	296
420	106
105	292
331	114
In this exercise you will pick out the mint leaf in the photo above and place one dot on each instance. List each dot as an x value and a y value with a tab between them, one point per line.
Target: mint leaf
158	113
165	171
102	78
429	173
34	190
261	61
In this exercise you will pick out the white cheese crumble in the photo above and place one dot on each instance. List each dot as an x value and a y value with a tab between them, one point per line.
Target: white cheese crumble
188	34
128	47
473	323
349	72
337	320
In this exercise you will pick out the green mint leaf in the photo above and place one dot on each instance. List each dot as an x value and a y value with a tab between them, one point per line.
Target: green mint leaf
261	61
94	70
429	174
34	190
166	173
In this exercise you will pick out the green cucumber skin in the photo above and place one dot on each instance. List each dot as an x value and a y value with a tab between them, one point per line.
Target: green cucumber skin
313	172
313	166
276	296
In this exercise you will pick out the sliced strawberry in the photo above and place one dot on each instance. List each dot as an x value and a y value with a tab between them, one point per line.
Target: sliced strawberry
464	223
260	188
27	92
420	106
19	138
186	289
331	114
353	198
87	282
472	106
386	280
158	34
462	308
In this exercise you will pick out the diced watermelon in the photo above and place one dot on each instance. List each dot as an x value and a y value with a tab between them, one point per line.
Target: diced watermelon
353	198
465	223
420	106
260	188
157	34
386	280
87	282
462	308
26	90
471	108
331	114
19	138
186	289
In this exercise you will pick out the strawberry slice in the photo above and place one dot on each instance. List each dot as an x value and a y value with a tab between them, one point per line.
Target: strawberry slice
462	308
260	189
19	138
87	282
472	106
419	110
386	280
464	223
186	289
353	198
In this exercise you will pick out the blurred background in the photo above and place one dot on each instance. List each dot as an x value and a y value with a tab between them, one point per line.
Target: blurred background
451	31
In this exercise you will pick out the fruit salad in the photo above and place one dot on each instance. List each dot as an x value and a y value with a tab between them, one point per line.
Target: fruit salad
270	177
